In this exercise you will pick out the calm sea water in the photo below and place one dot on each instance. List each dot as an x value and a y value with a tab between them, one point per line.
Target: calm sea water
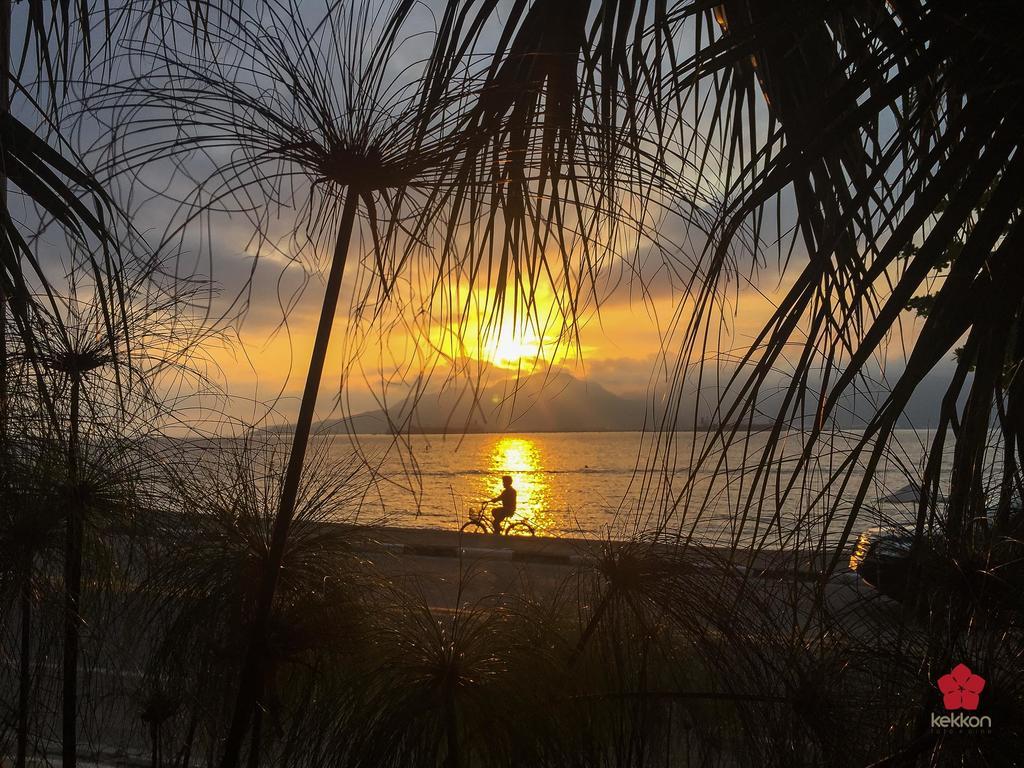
600	484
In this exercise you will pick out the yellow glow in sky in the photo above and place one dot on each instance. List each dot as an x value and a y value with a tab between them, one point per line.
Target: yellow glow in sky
511	347
520	338
266	363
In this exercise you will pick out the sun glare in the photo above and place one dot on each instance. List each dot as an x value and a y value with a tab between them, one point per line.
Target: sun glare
515	343
508	349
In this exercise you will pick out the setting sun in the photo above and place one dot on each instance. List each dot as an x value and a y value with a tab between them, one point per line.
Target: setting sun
509	349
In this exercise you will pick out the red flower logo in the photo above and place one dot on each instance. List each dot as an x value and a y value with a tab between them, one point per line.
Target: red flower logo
960	688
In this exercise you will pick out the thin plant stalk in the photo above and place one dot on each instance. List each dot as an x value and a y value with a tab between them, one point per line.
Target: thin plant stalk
72	586
185	756
257	730
452	729
24	666
253	671
24	670
5	107
154	737
595	619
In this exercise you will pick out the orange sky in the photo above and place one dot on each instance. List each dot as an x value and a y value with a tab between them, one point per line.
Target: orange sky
629	346
620	346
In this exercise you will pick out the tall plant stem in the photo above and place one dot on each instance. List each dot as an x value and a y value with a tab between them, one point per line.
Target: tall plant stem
5	108
24	672
72	588
452	728
256	738
253	667
25	668
595	619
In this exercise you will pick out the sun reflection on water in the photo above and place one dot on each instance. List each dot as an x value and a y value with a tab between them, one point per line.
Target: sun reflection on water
521	458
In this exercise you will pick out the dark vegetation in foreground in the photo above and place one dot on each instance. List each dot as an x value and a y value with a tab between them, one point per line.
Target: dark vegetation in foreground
633	658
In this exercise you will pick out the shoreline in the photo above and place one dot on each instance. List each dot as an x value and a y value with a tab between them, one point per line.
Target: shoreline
581	552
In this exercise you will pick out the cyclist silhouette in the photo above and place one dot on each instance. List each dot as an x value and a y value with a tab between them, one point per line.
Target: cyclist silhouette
508	503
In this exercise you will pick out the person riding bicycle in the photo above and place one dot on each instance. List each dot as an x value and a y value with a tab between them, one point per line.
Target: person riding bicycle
508	503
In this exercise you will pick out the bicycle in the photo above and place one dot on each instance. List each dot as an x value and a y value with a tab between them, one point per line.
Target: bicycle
480	522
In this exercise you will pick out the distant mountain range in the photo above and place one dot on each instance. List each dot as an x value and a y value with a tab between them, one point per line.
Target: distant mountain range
543	402
557	401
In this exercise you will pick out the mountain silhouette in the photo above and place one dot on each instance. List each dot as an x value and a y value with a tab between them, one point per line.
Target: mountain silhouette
554	401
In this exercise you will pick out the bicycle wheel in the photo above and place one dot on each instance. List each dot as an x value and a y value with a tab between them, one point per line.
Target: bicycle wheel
520	528
475	526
